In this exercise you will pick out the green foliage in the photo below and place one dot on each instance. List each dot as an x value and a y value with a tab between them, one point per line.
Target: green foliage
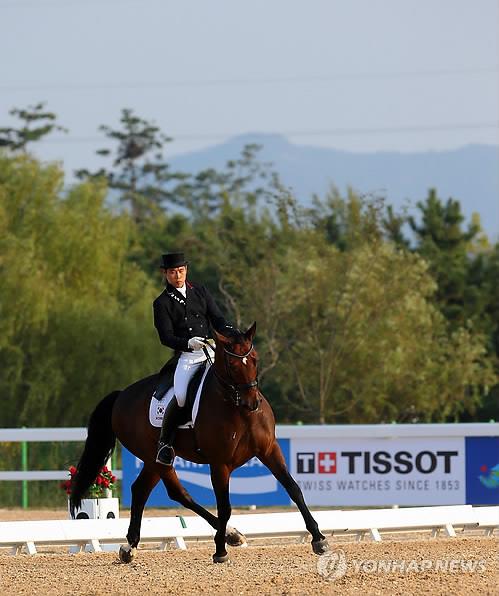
352	354
464	266
75	312
442	242
243	182
348	223
139	174
36	124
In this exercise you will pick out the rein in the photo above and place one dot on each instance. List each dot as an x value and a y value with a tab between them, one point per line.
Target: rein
235	388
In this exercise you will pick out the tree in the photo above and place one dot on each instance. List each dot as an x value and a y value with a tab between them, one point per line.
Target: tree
37	123
140	174
368	346
464	265
442	242
347	222
76	317
483	277
393	224
244	182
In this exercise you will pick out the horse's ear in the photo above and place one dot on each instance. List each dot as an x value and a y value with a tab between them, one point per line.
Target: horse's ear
221	338
250	333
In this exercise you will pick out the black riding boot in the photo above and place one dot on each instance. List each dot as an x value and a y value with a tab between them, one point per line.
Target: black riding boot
171	420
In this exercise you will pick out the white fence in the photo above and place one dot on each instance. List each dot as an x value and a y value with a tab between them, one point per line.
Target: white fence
42	435
94	534
386	431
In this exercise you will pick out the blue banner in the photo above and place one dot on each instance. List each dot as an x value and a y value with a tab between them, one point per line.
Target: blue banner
482	470
251	484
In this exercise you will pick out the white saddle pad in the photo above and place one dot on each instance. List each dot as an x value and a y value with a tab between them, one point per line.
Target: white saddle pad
158	407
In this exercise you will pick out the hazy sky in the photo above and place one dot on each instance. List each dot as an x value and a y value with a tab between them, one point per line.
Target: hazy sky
359	75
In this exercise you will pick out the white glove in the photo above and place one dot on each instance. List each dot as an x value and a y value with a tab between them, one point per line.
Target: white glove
196	343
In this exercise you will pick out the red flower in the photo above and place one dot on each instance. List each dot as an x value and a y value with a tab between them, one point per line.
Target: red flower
105	480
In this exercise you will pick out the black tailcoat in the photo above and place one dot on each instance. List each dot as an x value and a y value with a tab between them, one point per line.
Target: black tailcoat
177	319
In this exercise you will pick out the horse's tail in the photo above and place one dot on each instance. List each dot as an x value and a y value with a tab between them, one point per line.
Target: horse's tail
98	447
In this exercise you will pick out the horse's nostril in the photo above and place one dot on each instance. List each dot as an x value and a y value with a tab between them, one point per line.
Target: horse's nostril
252	407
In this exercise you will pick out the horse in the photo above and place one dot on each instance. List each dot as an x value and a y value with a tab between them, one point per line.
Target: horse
234	423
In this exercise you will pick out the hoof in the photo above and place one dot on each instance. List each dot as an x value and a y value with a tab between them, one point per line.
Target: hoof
320	547
222	559
234	538
127	553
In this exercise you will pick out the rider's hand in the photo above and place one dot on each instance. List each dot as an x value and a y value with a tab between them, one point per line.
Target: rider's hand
196	343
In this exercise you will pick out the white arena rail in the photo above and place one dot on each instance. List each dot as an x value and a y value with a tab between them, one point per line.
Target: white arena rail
93	534
488	519
42	435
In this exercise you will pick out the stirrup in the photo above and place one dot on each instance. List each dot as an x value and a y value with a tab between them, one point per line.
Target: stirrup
166	455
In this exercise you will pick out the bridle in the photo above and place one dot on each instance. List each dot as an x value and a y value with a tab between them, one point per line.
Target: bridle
235	388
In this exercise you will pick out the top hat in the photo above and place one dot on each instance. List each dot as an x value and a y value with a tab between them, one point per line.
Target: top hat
172	260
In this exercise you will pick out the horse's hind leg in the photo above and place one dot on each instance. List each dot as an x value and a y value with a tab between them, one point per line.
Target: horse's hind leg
274	460
178	493
141	489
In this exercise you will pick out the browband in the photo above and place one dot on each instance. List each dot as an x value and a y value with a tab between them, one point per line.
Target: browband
239	355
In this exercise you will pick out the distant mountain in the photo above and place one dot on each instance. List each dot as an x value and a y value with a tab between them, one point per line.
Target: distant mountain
469	174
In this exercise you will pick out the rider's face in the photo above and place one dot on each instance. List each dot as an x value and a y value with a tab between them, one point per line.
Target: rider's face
176	276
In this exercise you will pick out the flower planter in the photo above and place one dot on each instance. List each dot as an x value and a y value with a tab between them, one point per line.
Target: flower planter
100	504
100	508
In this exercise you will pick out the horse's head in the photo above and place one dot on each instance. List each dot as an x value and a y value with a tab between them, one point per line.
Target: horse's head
236	363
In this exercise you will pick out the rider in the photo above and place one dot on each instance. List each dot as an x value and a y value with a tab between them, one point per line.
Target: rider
183	313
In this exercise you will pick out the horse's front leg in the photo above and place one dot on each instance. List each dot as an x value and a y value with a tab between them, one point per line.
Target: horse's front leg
220	475
178	493
141	489
274	460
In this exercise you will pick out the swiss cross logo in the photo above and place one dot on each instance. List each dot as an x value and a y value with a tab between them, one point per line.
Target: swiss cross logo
327	462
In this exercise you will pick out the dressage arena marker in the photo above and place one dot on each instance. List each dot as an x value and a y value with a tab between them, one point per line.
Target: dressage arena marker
89	534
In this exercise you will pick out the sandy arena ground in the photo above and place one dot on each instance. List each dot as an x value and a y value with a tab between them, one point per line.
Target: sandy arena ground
262	568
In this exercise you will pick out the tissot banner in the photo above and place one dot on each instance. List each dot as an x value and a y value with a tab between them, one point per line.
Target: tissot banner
412	471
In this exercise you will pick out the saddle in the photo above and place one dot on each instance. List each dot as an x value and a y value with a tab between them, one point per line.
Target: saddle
165	377
165	384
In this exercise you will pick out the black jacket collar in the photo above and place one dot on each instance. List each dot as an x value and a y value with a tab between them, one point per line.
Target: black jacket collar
175	294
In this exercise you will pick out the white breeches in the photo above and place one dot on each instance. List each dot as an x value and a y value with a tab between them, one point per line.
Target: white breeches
188	364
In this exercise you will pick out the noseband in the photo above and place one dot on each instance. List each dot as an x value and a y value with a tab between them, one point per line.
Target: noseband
233	386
